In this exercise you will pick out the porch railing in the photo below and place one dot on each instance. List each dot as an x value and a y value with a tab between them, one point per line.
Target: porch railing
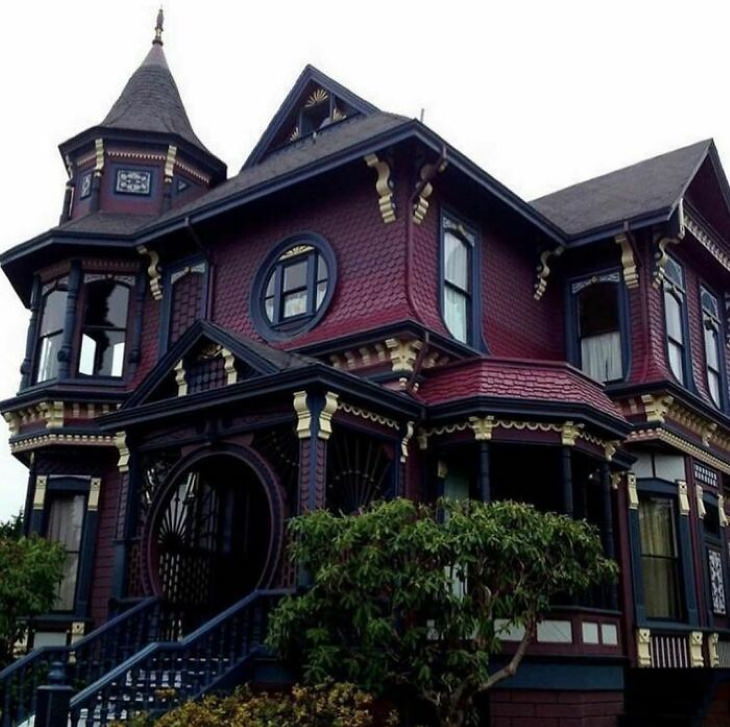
86	660
164	674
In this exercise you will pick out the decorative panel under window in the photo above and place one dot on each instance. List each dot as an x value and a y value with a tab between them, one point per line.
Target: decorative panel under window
717	581
187	302
705	476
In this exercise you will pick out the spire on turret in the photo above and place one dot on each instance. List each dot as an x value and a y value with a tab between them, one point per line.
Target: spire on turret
159	27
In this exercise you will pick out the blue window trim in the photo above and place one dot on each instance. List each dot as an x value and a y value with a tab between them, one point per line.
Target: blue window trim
258	289
723	406
689	382
572	342
116	168
663	488
450	219
167	289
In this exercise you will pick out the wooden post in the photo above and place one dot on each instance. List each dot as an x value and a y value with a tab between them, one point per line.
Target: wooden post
485	484
53	699
566	460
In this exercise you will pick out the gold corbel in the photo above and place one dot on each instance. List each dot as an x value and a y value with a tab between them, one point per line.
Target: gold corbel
39	496
661	258
712	651
99	156
656	407
569	432
229	366
543	270
181	379
683	497
696	659
406	441
482	427
701	510
94	493
325	416
13	421
628	261
170	162
643	648
631	491
120	442
403	353
304	416
153	271
721	511
420	207
384	187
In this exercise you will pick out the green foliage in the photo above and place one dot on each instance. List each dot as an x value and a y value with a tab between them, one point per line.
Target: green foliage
389	607
30	571
12	528
332	705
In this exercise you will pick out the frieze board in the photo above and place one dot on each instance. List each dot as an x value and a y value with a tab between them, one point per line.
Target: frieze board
93	440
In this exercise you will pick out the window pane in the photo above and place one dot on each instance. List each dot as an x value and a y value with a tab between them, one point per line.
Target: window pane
269	307
709	304
270	285
713	383
65	524
601	356
455	313
106	304
673	311
48	357
673	271
295	304
676	363
321	290
54	312
295	276
598	309
456	261
656	523
711	349
322	270
102	353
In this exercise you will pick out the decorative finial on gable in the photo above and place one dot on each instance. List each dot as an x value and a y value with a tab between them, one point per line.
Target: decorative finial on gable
159	27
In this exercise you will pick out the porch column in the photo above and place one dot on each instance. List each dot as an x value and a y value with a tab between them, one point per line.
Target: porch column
609	546
128	488
485	485
566	460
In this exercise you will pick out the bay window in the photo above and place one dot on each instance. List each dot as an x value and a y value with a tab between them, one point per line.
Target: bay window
457	272
50	335
711	330
674	318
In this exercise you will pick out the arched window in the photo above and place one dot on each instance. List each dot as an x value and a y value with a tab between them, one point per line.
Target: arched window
457	275
711	329
599	328
674	313
50	336
104	327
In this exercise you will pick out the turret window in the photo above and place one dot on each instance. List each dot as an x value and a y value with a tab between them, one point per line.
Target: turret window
51	334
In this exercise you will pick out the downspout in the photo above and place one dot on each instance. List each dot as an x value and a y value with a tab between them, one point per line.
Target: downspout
420	186
211	270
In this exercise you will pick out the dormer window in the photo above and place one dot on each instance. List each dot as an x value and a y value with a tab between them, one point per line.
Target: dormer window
320	110
51	331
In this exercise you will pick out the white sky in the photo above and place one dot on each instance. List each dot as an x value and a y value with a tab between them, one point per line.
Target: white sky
540	93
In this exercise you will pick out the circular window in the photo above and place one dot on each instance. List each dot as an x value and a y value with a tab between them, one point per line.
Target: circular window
294	286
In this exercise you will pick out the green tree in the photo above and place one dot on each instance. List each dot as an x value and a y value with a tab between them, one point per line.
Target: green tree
408	596
30	571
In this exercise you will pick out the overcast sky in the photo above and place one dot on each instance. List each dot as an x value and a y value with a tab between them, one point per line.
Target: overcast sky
541	94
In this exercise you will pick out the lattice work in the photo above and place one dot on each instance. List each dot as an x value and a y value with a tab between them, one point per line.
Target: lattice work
205	374
186	304
135	582
705	476
359	471
280	448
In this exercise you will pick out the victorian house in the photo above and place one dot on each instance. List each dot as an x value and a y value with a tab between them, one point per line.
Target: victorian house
361	312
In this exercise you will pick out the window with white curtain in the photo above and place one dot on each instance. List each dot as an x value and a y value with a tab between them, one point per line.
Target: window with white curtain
599	328
457	254
65	525
711	329
674	312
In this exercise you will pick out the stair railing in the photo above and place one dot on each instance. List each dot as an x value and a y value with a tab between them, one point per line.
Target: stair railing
87	659
164	674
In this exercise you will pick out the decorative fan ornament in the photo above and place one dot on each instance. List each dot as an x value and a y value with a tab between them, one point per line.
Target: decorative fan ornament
295	134
337	115
317	97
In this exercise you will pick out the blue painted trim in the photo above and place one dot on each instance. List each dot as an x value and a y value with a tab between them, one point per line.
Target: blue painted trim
572	344
258	289
575	676
27	368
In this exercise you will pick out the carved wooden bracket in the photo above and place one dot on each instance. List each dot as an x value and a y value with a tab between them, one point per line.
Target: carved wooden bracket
696	658
628	261
643	648
543	270
683	497
420	207
482	427
406	441
701	510
120	442
153	271
661	256
39	496
384	187
94	494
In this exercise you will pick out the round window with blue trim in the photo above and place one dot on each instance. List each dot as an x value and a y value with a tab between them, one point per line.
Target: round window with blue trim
294	286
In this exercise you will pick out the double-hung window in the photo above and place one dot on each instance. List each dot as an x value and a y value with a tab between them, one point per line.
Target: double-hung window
457	251
65	526
50	337
674	312
713	350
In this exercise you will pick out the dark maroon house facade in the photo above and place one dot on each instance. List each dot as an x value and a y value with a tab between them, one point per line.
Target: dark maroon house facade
359	313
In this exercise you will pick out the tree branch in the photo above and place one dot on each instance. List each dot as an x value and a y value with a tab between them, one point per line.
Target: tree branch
510	669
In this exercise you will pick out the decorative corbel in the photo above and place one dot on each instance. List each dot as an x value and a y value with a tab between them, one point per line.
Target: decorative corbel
422	439
94	493
428	171
406	441
721	511
384	187
628	260
229	366
569	433
610	448
696	659
99	157
325	416
482	427
53	413
181	379
403	353
78	628
304	416
631	491
153	271
701	510
707	431
13	420
661	256
643	648
39	495
656	407
543	270
170	162
683	497
712	651
120	442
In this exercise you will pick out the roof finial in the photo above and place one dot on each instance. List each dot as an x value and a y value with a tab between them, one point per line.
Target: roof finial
159	27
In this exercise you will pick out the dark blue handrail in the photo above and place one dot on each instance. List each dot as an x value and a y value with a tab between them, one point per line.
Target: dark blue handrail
163	674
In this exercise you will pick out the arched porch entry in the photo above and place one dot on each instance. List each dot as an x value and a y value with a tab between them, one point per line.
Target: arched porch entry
214	533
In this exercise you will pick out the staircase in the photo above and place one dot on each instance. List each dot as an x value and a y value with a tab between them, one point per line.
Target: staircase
154	676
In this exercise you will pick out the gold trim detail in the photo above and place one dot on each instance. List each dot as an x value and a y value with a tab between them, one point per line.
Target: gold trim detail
170	161
94	493
420	207
180	379
721	511
78	629
712	652
661	256
701	510
94	440
13	420
570	432
383	187
39	495
695	650
98	157
52	412
628	261
317	97
365	414
656	407
406	441
643	648
403	354
153	271
304	416
325	416
482	427
707	240
683	497
633	493
229	366
120	442
543	270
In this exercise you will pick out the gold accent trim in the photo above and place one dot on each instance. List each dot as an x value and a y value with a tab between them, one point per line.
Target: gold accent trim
643	648
170	161
229	366
570	432
296	250
403	353
94	493
365	414
384	187
120	442
52	412
712	652
420	207
304	416
696	659
13	420
424	434
39	495
683	497
701	510
94	440
78	629
317	97
406	441
153	271
661	257
628	261
707	240
632	491
325	416
656	406
543	270
721	511
482	427
180	380
98	157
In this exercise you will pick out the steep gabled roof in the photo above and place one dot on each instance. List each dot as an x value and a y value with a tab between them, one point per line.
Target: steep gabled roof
150	102
650	189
